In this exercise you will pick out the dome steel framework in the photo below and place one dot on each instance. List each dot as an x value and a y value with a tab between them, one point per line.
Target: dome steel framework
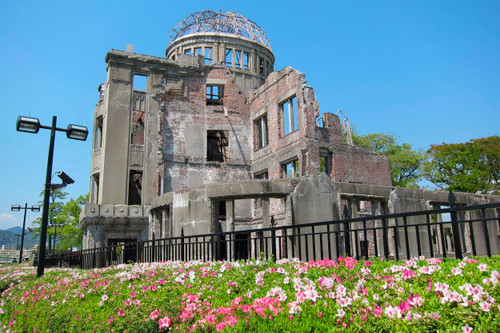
224	22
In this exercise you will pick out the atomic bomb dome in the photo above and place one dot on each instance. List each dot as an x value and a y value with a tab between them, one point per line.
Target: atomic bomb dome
227	22
224	38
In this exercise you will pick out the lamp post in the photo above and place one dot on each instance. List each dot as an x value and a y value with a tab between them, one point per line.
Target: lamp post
76	132
16	208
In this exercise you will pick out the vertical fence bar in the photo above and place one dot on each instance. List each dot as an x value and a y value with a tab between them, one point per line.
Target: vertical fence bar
486	233
385	238
443	245
429	234
472	239
419	248
182	245
328	235
273	240
456	234
347	241
407	241
396	238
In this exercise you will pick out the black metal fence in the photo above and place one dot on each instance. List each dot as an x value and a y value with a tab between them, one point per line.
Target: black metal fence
451	232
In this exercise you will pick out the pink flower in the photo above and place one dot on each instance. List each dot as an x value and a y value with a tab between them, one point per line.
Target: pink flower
466	329
482	267
485	306
132	295
220	326
110	320
210	319
164	323
408	273
231	320
104	298
154	314
121	313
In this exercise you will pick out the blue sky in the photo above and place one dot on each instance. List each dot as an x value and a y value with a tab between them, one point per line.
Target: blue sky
425	71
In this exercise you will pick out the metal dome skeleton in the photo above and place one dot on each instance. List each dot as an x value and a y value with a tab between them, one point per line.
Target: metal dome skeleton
219	22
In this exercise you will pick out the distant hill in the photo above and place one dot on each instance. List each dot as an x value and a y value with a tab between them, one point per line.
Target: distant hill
8	237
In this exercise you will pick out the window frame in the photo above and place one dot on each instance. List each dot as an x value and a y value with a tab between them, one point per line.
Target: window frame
327	156
288	110
214	98
222	144
208	55
294	171
262	131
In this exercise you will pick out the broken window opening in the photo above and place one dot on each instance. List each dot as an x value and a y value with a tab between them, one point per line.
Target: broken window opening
160	186
95	189
229	57
140	82
217	143
261	175
137	135
261	129
187	51
222	210
198	51
288	110
237	58
290	169
320	122
134	187
261	66
245	60
208	55
98	133
325	162
215	94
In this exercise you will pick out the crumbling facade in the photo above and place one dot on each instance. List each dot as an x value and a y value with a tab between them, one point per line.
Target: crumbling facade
210	138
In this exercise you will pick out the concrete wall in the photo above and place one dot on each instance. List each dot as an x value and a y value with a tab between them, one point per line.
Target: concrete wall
317	198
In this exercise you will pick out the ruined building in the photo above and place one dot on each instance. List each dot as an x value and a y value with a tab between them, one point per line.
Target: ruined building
212	138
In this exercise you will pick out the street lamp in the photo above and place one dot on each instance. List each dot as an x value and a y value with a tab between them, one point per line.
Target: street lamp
16	208
76	132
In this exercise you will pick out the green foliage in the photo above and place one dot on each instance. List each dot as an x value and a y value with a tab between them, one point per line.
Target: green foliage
473	166
256	296
63	220
405	163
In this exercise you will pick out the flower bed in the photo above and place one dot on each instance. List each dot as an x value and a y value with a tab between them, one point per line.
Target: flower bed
349	295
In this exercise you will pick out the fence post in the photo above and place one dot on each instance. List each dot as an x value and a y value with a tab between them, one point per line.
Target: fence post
455	227
486	233
182	245
347	241
273	238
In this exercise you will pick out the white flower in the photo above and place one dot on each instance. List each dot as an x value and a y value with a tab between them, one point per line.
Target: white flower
466	329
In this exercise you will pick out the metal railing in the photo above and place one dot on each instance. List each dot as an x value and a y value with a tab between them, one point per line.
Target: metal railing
451	232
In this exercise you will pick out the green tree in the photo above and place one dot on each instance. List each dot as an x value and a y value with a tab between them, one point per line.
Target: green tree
405	163
55	207
70	235
473	166
65	216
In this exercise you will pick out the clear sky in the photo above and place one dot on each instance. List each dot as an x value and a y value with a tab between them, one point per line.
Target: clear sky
425	71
